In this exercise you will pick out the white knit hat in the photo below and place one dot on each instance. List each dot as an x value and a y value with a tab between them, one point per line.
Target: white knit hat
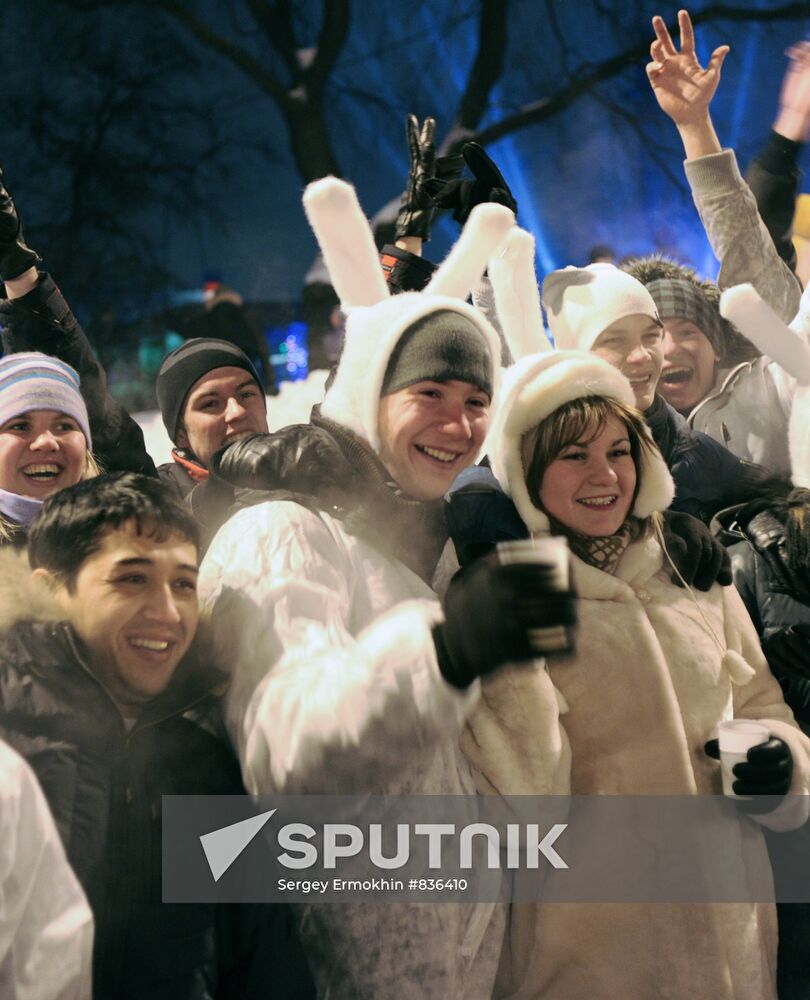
532	390
581	302
376	320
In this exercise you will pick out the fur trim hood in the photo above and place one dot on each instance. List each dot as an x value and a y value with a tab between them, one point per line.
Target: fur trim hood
533	389
376	320
22	598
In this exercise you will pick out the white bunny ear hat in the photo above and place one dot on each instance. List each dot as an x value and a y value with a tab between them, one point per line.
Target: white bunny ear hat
788	347
375	319
542	380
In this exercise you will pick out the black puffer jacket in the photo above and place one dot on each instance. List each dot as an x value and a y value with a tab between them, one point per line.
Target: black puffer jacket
104	787
42	321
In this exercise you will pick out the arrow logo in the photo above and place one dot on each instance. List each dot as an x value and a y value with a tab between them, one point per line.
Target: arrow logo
222	847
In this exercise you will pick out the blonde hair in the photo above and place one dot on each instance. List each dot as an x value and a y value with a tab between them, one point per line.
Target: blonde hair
575	421
91	469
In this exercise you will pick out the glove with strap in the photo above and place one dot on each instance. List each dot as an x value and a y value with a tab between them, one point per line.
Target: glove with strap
490	610
463	195
15	257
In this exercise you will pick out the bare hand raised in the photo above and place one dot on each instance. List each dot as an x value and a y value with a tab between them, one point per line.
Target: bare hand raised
682	87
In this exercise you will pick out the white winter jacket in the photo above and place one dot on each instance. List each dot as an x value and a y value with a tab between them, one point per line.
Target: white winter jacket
749	407
336	689
46	927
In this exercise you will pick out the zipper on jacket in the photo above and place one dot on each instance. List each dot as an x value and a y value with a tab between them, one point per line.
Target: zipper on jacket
716	393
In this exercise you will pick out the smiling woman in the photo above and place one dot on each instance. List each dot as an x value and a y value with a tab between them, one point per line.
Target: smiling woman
44	437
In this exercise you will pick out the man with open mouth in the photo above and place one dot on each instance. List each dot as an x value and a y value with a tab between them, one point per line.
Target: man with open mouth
602	309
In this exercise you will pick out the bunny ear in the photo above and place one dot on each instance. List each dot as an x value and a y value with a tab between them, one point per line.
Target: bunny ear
346	242
759	323
517	297
463	267
801	321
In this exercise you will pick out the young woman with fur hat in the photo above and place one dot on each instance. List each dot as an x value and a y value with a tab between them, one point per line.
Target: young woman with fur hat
656	668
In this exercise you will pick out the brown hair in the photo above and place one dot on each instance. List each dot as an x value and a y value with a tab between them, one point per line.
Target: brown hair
580	419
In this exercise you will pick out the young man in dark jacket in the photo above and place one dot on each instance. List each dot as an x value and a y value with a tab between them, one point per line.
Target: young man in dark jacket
105	695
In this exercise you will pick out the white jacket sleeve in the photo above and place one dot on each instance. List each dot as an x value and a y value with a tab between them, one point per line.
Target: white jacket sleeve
46	927
761	699
318	702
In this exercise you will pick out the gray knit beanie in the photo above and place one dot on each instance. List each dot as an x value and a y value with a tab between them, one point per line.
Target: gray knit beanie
442	347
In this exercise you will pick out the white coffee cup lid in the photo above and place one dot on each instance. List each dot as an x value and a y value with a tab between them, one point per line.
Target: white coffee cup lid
739	735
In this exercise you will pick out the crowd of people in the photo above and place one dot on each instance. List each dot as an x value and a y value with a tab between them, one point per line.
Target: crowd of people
323	609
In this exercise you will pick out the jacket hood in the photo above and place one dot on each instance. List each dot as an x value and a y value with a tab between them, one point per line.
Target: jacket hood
533	389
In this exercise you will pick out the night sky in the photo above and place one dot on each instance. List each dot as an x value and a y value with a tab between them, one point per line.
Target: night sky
608	169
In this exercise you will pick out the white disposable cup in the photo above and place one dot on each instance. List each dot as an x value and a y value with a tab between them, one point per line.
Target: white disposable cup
736	737
550	551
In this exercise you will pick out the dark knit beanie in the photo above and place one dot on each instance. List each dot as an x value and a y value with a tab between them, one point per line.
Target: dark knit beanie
442	347
676	298
185	366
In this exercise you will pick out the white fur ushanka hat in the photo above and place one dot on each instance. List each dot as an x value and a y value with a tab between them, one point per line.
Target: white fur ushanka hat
532	390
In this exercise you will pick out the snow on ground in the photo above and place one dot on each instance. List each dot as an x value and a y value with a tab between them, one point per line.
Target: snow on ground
291	406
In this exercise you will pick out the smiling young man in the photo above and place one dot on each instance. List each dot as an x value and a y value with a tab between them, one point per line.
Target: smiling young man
711	375
347	678
209	394
104	696
602	309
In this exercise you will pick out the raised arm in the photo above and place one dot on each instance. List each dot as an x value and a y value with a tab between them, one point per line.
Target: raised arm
774	175
36	317
727	208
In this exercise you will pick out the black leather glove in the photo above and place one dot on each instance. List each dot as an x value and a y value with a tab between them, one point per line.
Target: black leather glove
700	558
463	195
490	609
417	208
767	772
15	257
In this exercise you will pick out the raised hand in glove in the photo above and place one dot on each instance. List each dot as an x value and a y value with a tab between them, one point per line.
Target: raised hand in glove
463	195
767	772
417	208
15	257
700	558
489	611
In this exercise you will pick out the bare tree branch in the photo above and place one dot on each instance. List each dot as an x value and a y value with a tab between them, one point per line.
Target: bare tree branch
332	38
585	82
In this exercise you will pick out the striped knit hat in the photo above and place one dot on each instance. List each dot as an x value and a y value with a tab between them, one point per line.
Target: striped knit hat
34	381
